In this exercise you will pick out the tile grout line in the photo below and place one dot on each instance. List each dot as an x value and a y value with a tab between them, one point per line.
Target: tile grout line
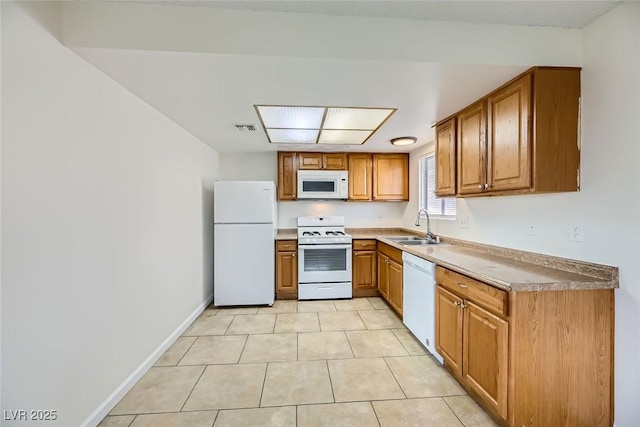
215	418
185	353
204	368
375	413
394	376
333	394
264	383
244	346
451	409
353	353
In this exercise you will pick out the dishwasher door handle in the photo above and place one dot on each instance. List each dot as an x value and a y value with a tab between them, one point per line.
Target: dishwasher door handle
420	268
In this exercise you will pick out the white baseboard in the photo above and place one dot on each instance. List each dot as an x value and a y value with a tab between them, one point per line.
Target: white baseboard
111	401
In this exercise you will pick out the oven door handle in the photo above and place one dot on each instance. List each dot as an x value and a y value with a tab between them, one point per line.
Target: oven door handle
321	246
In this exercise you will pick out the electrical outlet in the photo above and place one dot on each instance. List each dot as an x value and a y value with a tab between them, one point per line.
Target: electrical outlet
379	216
576	232
464	222
531	229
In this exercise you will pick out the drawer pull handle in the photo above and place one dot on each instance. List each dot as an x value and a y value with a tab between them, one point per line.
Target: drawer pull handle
462	285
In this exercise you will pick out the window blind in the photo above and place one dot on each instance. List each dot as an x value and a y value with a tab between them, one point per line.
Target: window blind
427	199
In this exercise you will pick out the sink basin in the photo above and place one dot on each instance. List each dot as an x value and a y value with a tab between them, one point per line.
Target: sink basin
418	242
406	238
412	240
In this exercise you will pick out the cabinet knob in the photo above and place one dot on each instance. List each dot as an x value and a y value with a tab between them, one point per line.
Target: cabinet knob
463	305
486	186
480	186
293	255
456	303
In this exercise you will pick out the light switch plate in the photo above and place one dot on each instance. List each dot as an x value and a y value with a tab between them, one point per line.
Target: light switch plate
464	222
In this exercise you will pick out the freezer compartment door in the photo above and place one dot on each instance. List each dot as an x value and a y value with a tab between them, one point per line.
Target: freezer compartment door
243	269
244	202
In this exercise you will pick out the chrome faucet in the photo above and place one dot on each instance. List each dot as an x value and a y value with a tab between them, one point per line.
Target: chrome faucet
430	235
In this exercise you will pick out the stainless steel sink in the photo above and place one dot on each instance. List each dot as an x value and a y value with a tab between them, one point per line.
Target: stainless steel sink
418	242
405	238
412	240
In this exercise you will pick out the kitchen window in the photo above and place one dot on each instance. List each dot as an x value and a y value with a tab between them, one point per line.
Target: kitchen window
444	207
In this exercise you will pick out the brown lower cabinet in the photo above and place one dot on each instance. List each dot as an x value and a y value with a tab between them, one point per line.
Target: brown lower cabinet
531	359
390	276
286	269
365	268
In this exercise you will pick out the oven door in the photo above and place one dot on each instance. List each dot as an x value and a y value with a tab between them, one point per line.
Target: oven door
324	263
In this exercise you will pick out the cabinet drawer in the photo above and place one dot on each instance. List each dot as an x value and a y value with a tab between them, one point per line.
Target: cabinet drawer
286	245
493	299
391	252
364	245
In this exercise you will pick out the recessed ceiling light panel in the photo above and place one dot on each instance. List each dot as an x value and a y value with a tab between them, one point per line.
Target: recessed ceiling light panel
322	125
356	118
292	136
344	137
291	117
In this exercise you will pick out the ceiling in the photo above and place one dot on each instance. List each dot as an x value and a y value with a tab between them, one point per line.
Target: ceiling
545	13
205	67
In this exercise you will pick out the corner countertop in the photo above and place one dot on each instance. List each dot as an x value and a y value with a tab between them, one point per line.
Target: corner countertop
508	269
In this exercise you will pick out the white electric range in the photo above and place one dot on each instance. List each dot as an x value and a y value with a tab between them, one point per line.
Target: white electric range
324	258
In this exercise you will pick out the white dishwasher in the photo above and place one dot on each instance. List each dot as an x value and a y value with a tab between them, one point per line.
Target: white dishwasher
419	300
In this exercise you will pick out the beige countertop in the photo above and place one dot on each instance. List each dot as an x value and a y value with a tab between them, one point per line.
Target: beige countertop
504	268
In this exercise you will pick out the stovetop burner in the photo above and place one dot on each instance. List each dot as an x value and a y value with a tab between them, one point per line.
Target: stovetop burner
322	230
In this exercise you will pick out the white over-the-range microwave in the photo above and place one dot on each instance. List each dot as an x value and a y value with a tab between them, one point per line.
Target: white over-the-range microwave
323	185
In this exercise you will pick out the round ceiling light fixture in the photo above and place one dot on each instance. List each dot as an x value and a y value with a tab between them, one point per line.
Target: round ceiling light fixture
404	140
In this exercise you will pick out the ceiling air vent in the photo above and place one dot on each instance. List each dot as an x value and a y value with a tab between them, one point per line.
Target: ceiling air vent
246	128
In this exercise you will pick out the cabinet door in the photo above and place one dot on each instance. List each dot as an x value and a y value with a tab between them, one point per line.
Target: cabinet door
509	137
334	161
395	286
485	357
449	329
359	176
471	145
383	276
365	270
446	158
287	176
390	177
310	161
286	272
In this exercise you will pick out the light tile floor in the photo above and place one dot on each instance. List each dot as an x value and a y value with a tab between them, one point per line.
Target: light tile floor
348	363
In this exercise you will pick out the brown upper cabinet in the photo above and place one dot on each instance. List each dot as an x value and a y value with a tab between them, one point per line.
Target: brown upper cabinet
371	176
521	138
509	153
360	180
317	161
287	176
471	146
391	177
446	158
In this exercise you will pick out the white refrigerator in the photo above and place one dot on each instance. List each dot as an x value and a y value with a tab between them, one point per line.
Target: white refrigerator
244	229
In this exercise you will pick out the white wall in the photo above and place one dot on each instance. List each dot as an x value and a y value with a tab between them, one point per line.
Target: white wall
264	166
106	219
608	204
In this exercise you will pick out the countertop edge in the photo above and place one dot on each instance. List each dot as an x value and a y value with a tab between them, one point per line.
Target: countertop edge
607	277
